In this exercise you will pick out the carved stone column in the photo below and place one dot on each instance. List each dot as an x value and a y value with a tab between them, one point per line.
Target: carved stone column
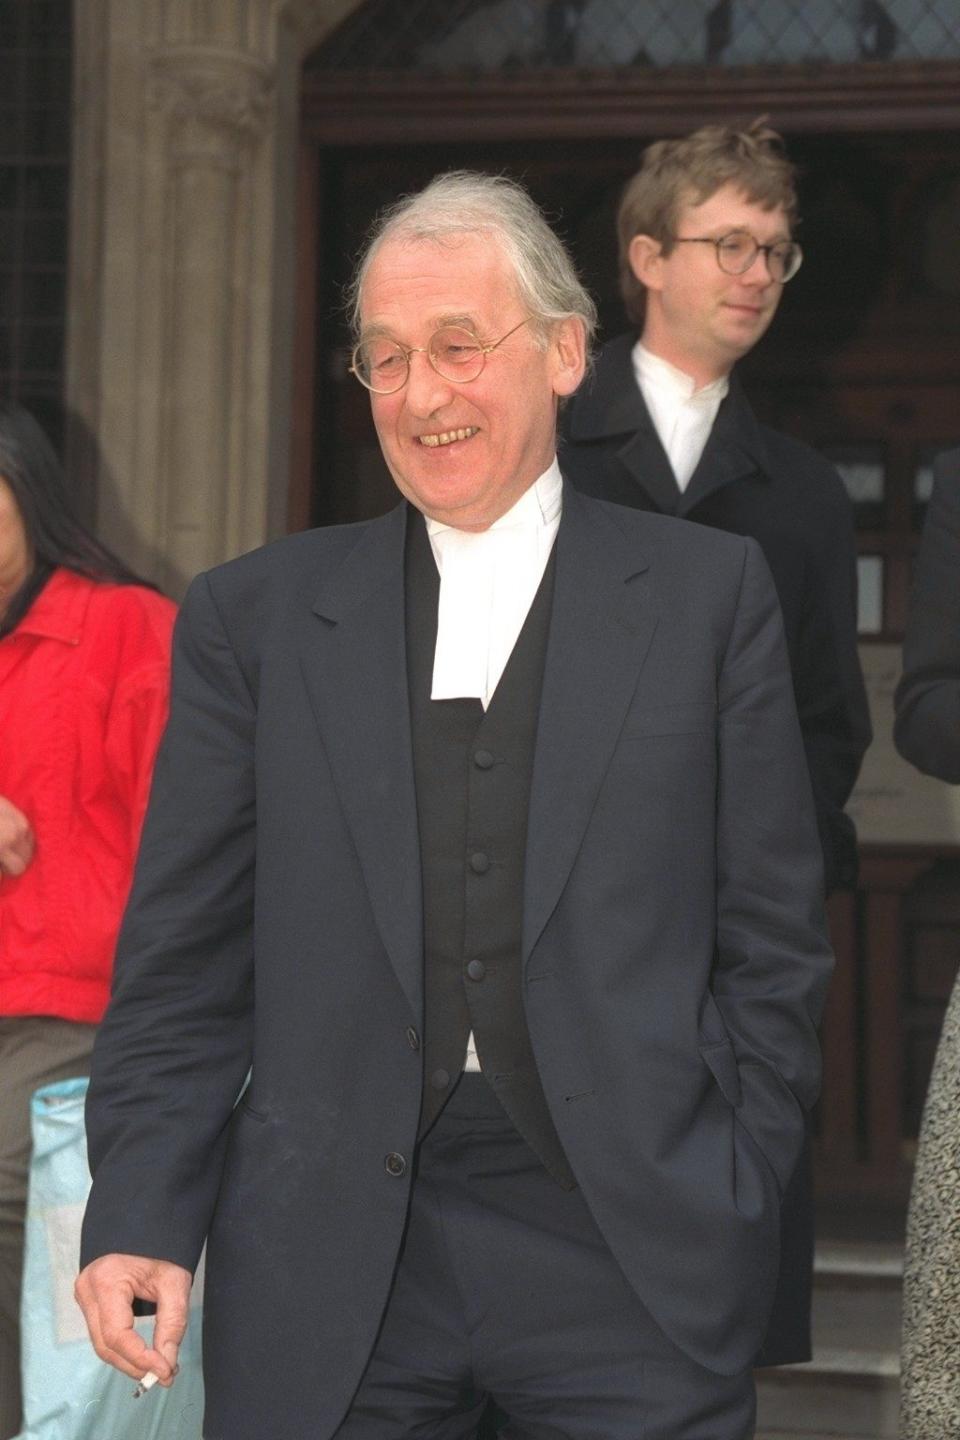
181	302
215	108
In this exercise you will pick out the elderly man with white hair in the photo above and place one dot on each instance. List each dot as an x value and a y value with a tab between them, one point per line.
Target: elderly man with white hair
482	838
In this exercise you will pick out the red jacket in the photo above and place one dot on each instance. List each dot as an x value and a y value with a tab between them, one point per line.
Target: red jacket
84	682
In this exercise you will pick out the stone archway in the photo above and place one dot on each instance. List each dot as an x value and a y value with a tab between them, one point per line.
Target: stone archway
181	300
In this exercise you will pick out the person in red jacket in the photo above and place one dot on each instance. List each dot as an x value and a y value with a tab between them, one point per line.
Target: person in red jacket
84	666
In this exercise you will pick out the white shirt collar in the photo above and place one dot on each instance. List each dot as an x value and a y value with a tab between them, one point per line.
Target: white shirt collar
654	370
682	414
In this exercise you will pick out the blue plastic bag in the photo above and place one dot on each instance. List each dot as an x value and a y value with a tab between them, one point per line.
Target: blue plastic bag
68	1393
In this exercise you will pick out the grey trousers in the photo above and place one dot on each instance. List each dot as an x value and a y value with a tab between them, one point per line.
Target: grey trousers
35	1050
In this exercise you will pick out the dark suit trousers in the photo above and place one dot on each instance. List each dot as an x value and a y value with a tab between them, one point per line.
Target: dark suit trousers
506	1289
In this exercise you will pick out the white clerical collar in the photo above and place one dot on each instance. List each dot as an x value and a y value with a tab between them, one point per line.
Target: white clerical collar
538	505
488	579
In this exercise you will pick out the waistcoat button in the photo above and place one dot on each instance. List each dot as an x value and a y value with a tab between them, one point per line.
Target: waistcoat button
479	862
483	759
440	1079
413	1039
476	969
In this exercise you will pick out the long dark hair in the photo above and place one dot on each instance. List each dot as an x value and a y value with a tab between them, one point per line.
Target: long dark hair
56	536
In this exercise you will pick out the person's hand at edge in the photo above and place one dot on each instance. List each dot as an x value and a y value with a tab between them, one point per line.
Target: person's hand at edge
105	1291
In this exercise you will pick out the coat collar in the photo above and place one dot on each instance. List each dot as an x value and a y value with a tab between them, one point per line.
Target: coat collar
374	562
60	610
610	407
609	402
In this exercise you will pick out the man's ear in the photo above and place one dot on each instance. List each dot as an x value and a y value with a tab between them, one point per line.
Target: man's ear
646	260
569	346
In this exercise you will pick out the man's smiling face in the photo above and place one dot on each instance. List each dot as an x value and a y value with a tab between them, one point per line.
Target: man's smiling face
464	453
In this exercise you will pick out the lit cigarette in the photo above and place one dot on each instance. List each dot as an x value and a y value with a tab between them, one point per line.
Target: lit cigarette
147	1383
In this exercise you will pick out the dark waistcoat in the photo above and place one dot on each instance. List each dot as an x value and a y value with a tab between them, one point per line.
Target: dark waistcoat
473	772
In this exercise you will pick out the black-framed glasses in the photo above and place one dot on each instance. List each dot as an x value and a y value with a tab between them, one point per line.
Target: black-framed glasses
737	251
456	353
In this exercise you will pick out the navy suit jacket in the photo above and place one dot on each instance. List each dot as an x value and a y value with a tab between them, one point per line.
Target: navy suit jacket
674	953
927	701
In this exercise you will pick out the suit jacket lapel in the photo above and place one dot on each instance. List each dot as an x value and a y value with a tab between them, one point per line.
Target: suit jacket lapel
735	448
610	405
600	632
356	674
645	458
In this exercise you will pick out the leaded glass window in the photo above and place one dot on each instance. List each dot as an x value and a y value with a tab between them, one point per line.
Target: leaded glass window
497	35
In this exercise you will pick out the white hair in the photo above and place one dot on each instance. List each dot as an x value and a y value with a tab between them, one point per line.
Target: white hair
465	202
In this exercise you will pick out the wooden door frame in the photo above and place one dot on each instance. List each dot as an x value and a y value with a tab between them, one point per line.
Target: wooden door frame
348	109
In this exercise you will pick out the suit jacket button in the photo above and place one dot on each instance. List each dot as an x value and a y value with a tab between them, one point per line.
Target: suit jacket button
479	862
440	1079
476	969
395	1164
413	1039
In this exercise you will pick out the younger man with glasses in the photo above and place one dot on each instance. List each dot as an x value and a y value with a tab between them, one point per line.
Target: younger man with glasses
705	240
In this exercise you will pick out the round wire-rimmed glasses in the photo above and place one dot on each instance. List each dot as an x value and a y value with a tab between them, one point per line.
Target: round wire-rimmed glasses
737	251
456	353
